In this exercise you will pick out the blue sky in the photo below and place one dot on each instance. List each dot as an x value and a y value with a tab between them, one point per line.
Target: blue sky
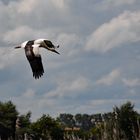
100	53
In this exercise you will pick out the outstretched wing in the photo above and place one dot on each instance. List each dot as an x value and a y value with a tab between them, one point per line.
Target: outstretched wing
35	62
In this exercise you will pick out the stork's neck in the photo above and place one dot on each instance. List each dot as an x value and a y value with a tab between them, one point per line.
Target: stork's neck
39	41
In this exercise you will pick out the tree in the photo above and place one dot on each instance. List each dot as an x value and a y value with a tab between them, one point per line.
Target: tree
126	119
23	125
8	116
46	128
67	120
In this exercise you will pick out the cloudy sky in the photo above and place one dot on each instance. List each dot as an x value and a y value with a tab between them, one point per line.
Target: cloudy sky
99	65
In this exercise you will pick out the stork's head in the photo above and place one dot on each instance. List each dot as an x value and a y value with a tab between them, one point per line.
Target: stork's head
48	45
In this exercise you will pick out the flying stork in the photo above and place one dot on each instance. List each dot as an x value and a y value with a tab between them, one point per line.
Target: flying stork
31	48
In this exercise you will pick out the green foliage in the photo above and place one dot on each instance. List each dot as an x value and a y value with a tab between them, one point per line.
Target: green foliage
8	116
23	125
83	121
121	124
127	120
96	132
67	120
47	127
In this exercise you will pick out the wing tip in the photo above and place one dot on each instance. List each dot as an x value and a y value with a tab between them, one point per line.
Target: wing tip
37	75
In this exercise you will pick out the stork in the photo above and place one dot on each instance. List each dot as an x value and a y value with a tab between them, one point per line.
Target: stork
31	48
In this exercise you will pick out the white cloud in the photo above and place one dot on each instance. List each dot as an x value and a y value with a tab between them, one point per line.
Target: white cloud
67	39
59	3
131	82
8	56
110	78
103	105
119	31
72	86
29	93
18	34
22	33
26	6
70	43
100	102
120	2
30	101
80	83
108	4
33	14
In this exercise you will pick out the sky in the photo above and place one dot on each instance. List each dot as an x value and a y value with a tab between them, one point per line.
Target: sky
99	62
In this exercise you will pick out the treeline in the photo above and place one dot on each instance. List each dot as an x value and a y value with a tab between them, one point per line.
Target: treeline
123	123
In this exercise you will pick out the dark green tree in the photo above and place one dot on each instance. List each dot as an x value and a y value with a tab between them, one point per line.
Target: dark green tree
8	116
23	125
67	120
126	119
46	128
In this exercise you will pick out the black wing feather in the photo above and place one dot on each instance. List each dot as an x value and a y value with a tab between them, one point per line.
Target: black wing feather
37	67
35	62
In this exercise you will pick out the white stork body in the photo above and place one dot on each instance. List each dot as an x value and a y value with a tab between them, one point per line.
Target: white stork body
32	53
36	49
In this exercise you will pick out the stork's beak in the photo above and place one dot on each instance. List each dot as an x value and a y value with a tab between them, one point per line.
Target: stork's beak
55	51
17	47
